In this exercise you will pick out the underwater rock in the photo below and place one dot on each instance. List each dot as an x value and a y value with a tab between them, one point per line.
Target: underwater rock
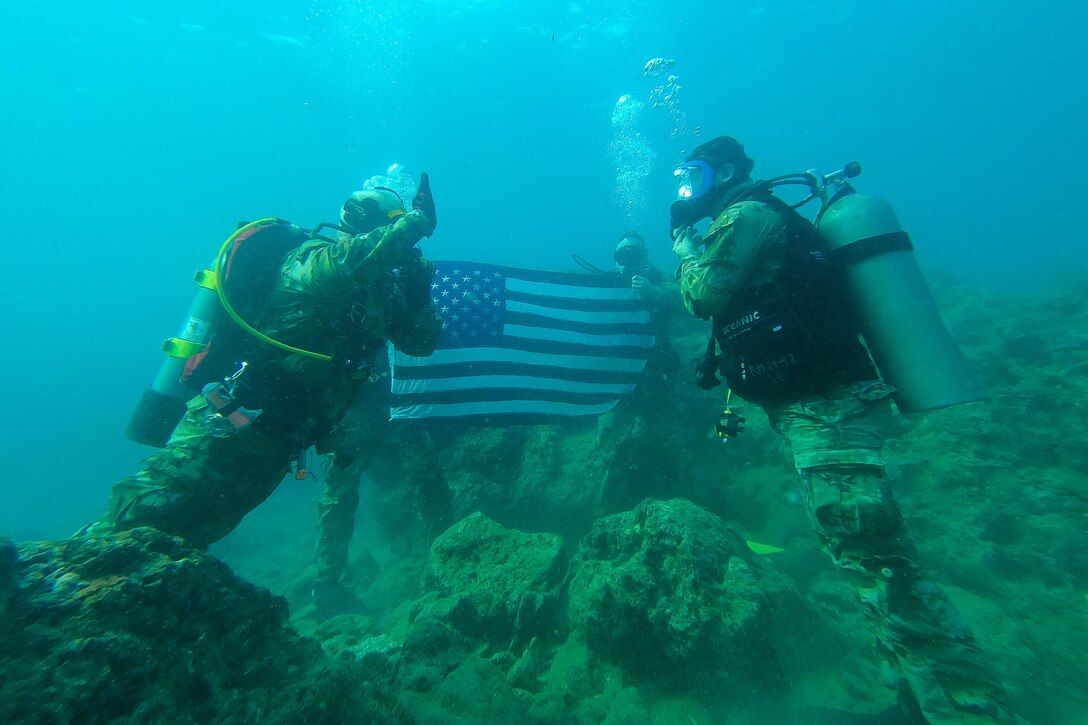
142	627
8	558
502	581
669	590
534	478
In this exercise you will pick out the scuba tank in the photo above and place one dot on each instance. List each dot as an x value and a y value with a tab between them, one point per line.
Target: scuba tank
900	321
163	402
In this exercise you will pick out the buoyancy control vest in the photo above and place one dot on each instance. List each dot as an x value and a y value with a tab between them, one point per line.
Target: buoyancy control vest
222	331
796	334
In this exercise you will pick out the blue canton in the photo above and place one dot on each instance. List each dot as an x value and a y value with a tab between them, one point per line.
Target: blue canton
472	302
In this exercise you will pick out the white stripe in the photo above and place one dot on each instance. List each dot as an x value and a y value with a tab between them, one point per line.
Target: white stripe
498	382
590	316
451	410
500	354
580	338
569	290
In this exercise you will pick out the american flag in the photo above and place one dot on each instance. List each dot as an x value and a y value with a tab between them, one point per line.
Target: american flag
522	346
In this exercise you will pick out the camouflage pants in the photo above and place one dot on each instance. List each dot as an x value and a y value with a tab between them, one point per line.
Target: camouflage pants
364	430
200	486
836	443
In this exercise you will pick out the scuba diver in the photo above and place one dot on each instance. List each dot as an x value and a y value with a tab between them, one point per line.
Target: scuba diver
364	431
787	300
633	266
325	313
635	440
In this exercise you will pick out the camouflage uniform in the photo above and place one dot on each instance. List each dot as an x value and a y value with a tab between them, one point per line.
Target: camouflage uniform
835	441
836	421
364	429
637	435
201	484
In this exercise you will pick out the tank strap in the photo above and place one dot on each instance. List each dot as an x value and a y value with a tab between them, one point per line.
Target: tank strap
872	247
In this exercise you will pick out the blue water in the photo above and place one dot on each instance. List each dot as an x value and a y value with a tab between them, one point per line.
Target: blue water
134	139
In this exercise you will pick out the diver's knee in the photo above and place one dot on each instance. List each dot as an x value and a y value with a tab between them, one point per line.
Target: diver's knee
881	519
854	502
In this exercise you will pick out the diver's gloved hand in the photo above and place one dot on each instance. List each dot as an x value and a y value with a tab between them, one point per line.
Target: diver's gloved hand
686	244
648	290
413	282
424	202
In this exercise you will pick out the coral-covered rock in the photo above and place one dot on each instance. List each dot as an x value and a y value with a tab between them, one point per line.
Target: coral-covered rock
502	582
9	556
668	589
142	627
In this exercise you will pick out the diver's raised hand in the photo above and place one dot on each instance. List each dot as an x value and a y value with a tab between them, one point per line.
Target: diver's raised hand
424	202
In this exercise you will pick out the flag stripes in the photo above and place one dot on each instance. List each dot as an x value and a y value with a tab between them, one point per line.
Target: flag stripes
524	346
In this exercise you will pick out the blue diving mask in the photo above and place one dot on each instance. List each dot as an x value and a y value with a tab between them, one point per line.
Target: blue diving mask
696	178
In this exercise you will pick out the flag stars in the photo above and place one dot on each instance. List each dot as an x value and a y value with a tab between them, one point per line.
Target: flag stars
455	285
434	285
445	308
446	279
445	293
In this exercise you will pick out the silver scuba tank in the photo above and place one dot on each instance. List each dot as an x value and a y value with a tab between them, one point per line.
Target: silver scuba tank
163	402
901	323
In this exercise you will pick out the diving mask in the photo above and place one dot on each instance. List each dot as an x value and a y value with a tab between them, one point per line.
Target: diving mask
367	210
696	178
629	254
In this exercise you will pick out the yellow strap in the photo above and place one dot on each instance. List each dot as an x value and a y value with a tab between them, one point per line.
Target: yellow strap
176	347
207	279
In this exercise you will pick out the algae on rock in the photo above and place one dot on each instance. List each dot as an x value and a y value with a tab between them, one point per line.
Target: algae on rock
671	592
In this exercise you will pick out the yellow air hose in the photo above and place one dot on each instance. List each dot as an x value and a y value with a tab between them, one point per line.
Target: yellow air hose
220	289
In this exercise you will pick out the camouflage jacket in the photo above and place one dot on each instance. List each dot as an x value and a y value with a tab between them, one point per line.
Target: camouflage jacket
341	299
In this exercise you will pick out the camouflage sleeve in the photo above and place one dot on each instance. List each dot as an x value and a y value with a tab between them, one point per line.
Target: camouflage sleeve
353	262
415	323
735	245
